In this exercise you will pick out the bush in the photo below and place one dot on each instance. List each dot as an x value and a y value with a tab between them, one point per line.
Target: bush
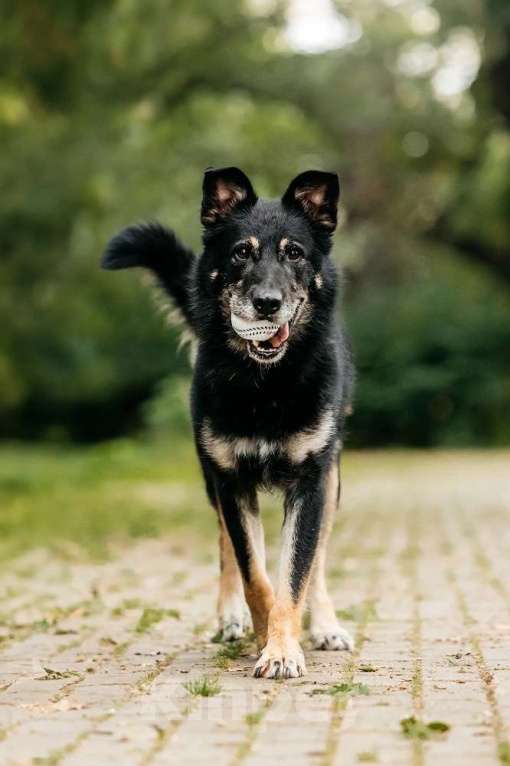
433	360
168	411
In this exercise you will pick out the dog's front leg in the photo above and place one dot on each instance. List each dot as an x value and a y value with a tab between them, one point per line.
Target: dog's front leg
325	630
233	619
282	656
240	517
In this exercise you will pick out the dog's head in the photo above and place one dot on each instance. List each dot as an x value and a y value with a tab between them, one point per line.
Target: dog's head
268	260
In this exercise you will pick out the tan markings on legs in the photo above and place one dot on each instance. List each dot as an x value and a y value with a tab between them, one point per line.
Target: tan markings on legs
260	597
257	532
282	656
325	630
259	591
232	610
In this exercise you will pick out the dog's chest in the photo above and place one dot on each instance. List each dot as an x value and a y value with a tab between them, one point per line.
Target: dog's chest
264	415
229	451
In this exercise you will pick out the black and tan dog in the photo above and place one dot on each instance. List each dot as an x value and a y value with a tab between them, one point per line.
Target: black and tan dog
265	413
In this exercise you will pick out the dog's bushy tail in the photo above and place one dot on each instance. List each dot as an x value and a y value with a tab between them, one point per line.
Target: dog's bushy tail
156	248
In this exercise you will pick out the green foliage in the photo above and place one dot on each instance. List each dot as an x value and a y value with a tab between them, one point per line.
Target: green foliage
85	501
253	719
56	675
504	752
415	729
109	112
343	689
231	651
152	615
432	360
168	410
367	756
203	687
81	501
358	612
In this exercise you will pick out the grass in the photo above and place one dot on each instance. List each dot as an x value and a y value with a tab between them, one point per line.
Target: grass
367	757
203	687
54	675
253	719
231	651
413	728
152	615
78	502
50	760
343	689
84	501
358	612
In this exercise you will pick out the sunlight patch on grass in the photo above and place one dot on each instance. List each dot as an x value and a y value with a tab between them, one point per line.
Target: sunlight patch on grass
82	501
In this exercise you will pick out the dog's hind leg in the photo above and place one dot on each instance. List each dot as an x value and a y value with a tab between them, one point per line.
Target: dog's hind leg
325	630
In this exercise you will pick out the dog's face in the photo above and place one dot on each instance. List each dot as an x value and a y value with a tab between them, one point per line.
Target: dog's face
265	259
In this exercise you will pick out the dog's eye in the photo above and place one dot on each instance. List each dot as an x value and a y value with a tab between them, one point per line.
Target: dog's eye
242	252
293	252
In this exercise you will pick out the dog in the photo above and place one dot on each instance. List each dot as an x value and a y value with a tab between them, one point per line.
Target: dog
266	414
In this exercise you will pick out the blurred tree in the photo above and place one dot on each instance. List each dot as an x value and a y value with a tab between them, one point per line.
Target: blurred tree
109	111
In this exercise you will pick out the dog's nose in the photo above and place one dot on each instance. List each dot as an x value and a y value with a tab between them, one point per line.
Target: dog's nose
267	302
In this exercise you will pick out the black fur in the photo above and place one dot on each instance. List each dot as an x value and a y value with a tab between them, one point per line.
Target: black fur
156	248
235	394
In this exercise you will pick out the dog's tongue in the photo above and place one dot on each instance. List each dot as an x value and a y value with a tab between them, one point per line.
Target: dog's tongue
281	336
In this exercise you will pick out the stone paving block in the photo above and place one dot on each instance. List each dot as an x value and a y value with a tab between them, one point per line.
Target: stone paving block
422	575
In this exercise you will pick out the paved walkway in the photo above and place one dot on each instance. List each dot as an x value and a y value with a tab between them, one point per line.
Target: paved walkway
94	673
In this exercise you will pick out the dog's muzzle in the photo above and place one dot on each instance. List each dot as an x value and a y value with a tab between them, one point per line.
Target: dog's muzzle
266	341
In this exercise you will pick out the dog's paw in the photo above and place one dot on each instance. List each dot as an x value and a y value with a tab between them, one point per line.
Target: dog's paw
233	626
284	660
231	631
332	639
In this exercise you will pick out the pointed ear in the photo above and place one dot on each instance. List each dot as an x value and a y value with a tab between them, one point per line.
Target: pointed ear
225	190
315	194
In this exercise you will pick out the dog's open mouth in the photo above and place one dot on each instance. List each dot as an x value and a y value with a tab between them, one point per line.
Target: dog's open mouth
266	347
272	348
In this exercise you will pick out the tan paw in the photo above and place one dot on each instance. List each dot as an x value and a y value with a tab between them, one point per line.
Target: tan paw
284	660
